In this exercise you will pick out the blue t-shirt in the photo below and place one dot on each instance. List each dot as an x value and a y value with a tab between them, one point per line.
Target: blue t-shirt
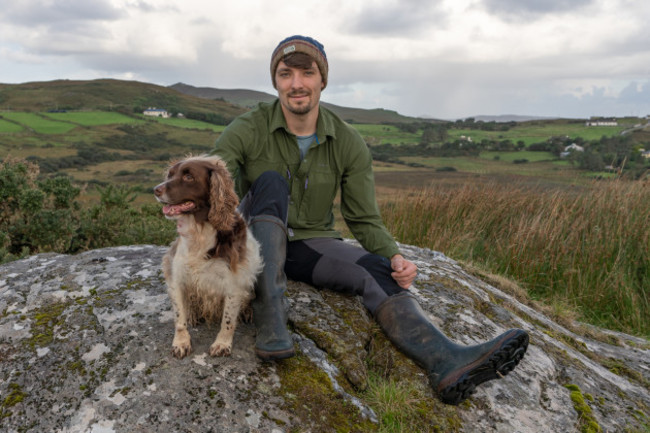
304	141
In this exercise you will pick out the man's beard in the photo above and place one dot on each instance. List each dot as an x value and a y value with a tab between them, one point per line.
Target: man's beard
299	109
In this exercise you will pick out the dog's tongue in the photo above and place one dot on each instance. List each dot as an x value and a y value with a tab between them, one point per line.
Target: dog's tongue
175	209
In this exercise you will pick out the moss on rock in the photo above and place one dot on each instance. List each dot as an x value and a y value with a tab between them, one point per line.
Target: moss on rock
309	394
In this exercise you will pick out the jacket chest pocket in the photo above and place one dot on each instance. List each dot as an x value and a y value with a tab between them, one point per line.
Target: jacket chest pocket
320	187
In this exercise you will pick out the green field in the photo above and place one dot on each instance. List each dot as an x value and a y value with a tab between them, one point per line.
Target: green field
542	168
62	123
380	134
527	132
7	127
536	132
147	141
38	123
92	118
514	156
189	124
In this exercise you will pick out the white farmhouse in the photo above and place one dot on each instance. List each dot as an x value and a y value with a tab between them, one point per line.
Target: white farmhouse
601	122
156	112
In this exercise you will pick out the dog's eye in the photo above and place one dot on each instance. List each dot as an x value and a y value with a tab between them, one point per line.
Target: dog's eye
187	177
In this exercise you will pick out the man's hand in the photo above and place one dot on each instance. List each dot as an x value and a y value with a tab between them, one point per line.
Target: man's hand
404	271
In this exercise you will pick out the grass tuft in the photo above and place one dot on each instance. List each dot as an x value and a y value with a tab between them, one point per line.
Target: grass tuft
587	248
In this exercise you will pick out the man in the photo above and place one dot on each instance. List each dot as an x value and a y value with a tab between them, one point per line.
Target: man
289	159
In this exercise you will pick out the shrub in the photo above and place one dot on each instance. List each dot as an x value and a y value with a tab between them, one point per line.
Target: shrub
43	215
34	215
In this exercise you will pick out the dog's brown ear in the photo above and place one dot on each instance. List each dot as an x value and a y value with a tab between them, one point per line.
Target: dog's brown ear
231	244
223	199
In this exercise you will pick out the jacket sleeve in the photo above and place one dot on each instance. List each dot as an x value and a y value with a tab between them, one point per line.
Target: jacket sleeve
359	205
231	147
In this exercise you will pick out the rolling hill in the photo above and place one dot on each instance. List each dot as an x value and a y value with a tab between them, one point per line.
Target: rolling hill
106	94
134	96
250	98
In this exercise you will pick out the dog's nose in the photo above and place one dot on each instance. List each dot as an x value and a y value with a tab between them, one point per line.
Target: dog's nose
158	190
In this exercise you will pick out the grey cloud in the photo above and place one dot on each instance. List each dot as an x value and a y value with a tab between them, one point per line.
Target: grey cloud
151	6
451	91
636	93
512	9
38	12
406	17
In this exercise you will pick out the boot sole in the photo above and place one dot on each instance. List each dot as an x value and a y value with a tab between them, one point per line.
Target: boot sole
496	365
268	355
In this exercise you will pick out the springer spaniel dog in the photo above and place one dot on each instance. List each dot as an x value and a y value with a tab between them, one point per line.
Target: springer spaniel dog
211	267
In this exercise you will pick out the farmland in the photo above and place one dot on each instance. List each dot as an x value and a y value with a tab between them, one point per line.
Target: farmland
56	135
438	184
537	131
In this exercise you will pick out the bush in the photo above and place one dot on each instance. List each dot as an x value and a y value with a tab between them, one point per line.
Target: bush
34	215
43	215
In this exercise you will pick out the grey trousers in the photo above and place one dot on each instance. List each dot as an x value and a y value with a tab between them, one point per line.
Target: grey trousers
333	264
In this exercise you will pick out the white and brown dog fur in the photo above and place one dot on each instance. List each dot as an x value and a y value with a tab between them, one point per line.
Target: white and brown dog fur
211	267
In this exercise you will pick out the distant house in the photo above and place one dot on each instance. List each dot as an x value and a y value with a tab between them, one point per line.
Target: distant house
646	154
571	148
601	122
156	112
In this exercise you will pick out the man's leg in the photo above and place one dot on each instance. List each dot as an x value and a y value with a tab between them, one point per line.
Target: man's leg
333	264
454	371
265	207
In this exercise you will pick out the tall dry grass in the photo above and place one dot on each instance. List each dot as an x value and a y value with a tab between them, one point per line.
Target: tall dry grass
586	247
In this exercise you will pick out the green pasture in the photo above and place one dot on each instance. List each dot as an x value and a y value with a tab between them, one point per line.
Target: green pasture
189	124
528	132
93	118
380	134
38	123
542	167
514	156
531	133
7	127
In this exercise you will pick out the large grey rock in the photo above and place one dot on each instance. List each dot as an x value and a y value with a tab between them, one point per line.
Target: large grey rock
85	347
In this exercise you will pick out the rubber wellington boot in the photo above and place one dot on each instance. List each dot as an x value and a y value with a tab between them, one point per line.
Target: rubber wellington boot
269	312
454	370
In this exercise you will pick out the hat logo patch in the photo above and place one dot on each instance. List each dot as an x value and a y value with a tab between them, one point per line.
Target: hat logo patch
289	49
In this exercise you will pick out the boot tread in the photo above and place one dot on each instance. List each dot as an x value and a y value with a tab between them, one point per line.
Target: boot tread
498	364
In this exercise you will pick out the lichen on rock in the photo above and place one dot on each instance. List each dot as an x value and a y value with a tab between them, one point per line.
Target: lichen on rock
85	346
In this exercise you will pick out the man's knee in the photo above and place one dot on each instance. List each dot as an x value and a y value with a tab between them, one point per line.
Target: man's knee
272	182
380	269
268	195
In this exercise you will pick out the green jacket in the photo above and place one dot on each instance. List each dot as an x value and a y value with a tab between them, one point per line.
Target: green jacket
259	141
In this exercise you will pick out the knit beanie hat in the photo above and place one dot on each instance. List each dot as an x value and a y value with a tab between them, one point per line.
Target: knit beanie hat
300	44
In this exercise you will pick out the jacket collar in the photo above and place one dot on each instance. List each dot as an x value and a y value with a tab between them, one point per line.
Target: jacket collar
324	127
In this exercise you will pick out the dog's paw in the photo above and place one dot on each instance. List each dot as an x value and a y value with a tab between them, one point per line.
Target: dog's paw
182	344
181	351
220	349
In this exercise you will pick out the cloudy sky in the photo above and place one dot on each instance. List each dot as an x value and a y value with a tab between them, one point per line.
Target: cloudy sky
446	59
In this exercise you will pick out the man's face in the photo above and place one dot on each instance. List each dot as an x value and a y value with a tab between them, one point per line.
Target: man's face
298	89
